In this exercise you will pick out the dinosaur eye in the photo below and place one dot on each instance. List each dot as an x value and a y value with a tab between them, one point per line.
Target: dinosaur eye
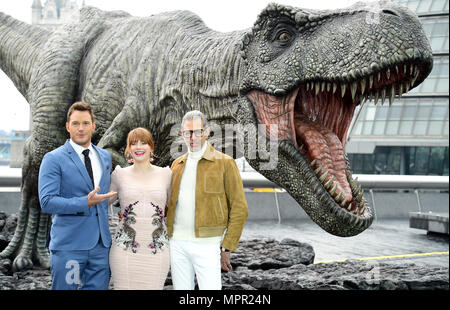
284	36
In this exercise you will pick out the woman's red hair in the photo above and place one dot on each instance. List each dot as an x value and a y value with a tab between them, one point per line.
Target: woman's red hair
139	134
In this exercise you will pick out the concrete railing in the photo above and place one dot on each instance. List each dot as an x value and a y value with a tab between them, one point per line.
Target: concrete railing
387	191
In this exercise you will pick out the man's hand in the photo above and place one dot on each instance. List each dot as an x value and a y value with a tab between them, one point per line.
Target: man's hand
94	198
225	261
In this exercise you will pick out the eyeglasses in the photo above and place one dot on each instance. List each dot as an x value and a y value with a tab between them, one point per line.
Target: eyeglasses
196	132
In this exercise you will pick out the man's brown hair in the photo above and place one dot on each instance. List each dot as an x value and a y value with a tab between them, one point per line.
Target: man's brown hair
80	106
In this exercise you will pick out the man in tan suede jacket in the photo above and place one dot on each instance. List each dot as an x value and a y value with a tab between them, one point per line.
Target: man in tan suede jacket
207	201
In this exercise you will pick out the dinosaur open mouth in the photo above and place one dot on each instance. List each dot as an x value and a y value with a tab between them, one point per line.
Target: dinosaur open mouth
316	116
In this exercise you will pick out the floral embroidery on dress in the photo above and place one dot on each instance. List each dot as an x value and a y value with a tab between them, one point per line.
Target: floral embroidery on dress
126	235
160	234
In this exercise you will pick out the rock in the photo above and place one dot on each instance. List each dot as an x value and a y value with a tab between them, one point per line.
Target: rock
349	275
5	266
3	215
7	227
267	264
269	254
6	282
34	279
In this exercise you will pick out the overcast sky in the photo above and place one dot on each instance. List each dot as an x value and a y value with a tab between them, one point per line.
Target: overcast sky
224	15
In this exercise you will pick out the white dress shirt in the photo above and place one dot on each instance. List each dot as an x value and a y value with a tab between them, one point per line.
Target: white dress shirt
93	156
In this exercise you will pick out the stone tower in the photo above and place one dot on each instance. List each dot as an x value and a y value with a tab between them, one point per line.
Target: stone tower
53	13
36	12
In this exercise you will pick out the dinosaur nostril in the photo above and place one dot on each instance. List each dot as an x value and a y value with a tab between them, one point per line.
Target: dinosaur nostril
391	12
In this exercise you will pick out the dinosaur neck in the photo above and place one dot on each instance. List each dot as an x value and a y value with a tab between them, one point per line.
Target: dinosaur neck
20	45
217	68
198	62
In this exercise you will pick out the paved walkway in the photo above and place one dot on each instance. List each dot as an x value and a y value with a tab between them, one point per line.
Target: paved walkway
383	238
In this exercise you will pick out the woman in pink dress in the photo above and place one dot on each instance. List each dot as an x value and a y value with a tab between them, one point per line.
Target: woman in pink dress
139	256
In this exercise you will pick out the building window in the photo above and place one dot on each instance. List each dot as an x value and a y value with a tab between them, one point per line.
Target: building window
406	117
402	160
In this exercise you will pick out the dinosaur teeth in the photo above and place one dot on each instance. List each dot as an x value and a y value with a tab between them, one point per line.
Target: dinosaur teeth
323	86
362	209
349	208
334	87
370	81
353	184
343	87
383	96
344	202
388	73
391	97
376	98
400	90
416	75
354	86
363	86
338	197
330	181
349	175
378	77
317	87
359	197
324	175
328	87
333	189
317	171
406	86
313	162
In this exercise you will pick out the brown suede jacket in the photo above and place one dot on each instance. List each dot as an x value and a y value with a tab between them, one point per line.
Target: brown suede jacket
219	197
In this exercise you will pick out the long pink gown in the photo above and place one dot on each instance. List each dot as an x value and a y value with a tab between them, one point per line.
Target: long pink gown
139	257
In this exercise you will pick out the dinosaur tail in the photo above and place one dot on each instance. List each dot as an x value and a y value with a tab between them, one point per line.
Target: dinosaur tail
20	44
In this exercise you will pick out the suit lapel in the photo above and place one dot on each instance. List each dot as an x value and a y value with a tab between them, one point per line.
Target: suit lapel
78	163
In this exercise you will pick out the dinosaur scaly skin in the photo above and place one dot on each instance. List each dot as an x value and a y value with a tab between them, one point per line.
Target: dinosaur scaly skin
302	70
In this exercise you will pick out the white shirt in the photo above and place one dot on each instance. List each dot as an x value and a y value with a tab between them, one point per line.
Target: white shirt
184	221
93	156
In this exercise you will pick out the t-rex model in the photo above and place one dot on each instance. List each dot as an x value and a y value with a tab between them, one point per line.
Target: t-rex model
302	70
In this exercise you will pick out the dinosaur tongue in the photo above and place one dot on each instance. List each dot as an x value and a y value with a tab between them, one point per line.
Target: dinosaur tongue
323	146
319	122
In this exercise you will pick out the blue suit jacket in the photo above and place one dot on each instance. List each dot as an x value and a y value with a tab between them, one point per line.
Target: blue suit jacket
63	187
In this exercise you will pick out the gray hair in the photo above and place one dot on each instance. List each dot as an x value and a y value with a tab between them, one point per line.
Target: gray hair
195	114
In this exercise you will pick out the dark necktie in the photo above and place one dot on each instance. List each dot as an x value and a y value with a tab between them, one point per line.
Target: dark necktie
87	162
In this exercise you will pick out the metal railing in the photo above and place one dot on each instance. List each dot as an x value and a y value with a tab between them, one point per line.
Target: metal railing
13	178
368	182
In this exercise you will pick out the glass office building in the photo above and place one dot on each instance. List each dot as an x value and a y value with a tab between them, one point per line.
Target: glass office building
411	137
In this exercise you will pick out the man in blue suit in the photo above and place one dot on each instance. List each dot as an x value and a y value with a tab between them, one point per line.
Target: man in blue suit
73	184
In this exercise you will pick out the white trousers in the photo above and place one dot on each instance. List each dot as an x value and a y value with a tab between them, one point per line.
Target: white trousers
189	259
